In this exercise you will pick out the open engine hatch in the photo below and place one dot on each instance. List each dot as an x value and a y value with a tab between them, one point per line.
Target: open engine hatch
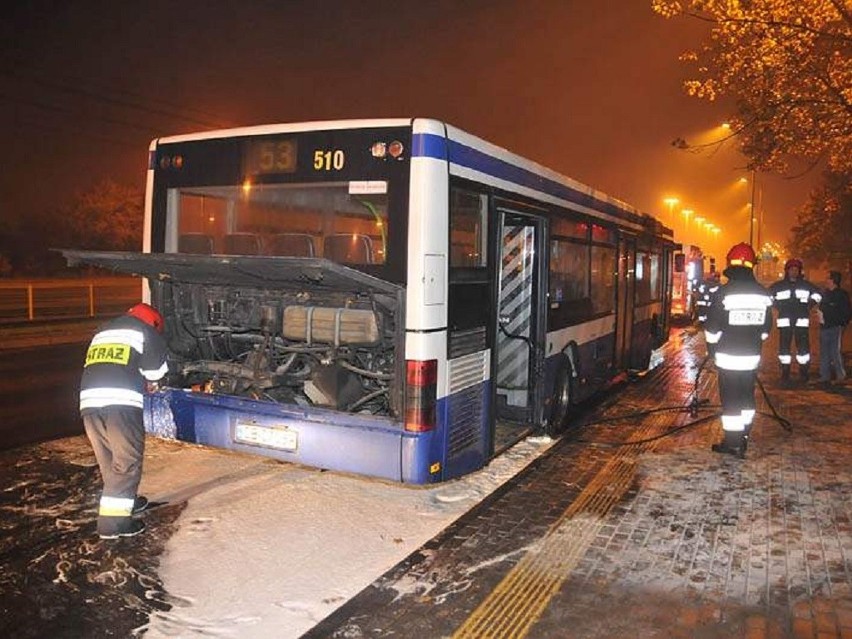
235	270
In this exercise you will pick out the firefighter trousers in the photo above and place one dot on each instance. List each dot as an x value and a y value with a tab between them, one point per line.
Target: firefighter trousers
117	435
786	336
736	390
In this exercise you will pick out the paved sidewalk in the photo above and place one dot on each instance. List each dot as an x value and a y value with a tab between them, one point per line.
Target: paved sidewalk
657	538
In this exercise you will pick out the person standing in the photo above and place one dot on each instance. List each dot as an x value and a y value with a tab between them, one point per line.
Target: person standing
706	290
835	313
123	356
793	298
738	322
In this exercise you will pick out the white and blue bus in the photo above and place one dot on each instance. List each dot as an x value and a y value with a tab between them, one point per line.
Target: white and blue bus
395	298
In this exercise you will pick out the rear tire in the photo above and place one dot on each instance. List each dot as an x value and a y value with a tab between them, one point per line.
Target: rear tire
563	399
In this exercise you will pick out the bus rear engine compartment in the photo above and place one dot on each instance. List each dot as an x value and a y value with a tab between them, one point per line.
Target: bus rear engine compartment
327	349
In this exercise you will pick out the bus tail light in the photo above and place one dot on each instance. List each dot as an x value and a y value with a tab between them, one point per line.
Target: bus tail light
421	395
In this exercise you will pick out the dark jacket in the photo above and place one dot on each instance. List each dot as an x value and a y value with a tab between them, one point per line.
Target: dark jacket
835	308
738	321
122	355
793	299
706	292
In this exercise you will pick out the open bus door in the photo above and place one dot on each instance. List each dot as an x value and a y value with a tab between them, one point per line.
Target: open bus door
519	357
625	287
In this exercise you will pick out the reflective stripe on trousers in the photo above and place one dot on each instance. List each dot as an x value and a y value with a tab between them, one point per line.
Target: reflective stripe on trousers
732	362
115	507
733	423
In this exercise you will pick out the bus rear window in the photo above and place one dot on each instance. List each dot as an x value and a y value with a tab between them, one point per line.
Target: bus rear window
468	228
331	220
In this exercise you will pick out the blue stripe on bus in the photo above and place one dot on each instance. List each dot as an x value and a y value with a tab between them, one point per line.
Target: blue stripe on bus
435	146
426	145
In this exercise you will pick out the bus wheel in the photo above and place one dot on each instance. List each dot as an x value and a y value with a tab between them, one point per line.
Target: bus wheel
563	397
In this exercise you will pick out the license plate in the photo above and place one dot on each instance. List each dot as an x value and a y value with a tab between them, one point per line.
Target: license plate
268	436
747	317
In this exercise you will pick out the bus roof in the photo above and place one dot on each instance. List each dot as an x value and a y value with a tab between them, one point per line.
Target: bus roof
506	167
292	127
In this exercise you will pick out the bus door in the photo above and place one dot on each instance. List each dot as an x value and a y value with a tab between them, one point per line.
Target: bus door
520	340
625	285
666	293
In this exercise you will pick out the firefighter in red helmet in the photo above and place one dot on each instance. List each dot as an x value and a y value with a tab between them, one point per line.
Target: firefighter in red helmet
738	323
123	356
793	298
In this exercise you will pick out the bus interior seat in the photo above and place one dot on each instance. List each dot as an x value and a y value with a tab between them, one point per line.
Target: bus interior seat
242	244
291	244
199	243
349	248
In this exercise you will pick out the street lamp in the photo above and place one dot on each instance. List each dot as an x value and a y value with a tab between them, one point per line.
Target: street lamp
699	221
671	202
686	214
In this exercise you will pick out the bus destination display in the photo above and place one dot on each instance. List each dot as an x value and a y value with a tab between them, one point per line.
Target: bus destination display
269	156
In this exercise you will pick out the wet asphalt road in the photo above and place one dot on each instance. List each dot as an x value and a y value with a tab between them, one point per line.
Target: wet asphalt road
57	579
38	393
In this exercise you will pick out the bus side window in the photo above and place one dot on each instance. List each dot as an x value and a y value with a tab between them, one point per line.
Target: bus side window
468	228
469	294
569	301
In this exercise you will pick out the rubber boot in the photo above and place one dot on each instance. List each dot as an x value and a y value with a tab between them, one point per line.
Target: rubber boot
743	446
140	504
120	527
732	444
785	376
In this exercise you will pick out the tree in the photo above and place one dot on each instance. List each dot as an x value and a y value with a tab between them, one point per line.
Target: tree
824	225
108	217
788	66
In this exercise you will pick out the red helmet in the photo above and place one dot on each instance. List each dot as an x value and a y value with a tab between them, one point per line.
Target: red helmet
794	261
147	314
742	255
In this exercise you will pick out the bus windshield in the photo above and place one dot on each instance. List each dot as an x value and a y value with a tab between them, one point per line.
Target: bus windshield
345	222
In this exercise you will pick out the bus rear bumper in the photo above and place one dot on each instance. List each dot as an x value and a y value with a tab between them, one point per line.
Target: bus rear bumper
317	437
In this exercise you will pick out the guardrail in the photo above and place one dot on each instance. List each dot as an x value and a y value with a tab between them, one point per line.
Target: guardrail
49	299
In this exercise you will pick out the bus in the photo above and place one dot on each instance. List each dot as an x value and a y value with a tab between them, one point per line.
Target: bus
394	298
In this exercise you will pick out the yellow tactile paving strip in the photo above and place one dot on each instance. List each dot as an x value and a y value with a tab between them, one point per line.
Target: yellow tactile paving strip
513	607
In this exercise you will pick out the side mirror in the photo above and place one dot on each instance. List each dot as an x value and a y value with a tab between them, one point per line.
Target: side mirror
679	261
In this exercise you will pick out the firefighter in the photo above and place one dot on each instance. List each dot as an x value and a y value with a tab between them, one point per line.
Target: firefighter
124	356
706	291
738	323
793	298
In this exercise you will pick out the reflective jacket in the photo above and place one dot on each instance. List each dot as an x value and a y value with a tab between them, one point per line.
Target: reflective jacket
738	321
793	299
122	355
706	291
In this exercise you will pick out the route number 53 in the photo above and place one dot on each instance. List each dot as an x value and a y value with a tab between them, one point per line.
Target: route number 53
329	160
